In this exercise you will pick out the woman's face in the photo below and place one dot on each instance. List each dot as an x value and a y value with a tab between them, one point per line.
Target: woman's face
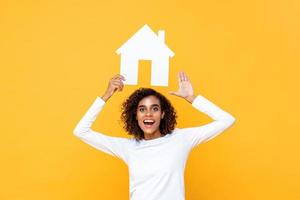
149	115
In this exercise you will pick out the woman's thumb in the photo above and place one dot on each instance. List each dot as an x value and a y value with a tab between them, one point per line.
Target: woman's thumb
173	93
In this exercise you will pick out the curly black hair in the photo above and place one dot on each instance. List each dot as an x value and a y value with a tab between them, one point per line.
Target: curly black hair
129	111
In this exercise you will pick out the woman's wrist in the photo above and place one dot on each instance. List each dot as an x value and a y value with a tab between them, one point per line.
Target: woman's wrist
190	98
105	97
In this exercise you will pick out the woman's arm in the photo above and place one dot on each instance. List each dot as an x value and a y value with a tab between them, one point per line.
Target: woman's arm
115	146
195	135
222	120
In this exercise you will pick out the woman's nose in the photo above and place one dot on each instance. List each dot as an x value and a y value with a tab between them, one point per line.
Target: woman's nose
148	113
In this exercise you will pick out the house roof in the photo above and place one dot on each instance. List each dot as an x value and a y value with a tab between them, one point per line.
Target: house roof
139	38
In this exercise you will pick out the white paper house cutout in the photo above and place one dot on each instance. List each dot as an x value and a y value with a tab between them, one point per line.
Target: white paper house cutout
145	44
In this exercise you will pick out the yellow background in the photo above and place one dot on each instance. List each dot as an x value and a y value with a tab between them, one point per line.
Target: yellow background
57	56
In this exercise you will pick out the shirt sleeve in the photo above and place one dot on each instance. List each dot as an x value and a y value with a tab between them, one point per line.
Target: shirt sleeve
222	120
115	146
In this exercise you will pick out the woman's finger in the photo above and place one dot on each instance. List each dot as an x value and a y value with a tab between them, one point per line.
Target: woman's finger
179	77
121	87
119	82
118	86
118	76
183	76
115	83
187	78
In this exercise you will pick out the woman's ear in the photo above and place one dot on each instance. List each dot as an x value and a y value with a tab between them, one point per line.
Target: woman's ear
163	114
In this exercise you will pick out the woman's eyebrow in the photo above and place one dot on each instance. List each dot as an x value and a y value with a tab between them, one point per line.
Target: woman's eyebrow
150	106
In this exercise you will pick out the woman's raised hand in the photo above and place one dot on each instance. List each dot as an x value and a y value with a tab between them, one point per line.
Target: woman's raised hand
185	89
115	84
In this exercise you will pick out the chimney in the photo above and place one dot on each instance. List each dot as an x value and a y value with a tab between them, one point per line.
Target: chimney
161	35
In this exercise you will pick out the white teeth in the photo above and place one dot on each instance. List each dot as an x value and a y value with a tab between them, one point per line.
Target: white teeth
148	120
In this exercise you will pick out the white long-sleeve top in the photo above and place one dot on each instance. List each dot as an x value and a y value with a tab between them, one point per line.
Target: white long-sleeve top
156	166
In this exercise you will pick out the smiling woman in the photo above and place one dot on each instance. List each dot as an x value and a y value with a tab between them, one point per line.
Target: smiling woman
157	154
147	114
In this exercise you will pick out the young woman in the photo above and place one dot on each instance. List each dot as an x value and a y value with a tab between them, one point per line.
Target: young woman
157	154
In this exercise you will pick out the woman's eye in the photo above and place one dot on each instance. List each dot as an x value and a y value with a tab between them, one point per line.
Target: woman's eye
143	109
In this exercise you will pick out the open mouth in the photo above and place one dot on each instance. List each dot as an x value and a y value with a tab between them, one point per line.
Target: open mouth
148	122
